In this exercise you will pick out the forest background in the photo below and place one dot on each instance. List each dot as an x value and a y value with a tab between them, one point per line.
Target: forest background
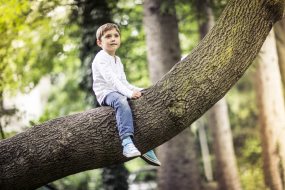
54	41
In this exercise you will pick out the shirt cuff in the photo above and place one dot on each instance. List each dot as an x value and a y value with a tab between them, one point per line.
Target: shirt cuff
129	94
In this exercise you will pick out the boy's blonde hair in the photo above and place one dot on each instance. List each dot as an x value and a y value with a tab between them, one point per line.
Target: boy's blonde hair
105	27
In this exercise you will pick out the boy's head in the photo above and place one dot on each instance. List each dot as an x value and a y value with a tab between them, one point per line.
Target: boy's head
108	38
104	28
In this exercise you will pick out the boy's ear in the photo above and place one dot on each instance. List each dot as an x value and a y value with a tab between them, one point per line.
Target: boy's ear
99	43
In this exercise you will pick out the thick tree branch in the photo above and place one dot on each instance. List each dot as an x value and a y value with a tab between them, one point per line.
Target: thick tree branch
89	140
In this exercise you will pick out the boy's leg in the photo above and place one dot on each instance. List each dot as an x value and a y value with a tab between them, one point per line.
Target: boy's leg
129	149
124	120
125	126
124	116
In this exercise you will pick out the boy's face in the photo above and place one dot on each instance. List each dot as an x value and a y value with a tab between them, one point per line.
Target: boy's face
110	41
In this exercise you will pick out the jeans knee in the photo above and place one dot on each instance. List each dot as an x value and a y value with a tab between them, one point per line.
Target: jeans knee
122	102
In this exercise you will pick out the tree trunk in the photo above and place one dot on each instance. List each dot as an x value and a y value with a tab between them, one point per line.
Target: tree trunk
227	172
272	112
161	26
205	18
206	156
178	156
219	124
279	29
89	140
115	177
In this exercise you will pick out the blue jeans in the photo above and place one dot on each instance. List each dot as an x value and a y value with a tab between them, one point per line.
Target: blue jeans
124	115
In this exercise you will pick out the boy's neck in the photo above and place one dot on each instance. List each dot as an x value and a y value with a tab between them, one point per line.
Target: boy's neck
111	53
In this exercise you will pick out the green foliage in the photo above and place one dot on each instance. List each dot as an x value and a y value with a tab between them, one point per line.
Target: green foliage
82	181
65	98
243	108
11	21
188	26
244	122
41	41
35	43
251	164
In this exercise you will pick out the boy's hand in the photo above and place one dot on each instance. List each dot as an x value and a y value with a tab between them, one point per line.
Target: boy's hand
136	94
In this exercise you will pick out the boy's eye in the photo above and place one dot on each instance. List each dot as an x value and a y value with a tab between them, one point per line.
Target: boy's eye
108	36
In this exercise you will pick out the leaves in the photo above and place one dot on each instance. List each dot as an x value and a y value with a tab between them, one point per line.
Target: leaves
36	42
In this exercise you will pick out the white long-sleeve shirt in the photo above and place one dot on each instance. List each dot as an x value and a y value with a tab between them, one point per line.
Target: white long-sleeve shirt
109	76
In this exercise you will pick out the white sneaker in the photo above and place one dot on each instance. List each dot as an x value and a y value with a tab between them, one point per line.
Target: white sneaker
131	151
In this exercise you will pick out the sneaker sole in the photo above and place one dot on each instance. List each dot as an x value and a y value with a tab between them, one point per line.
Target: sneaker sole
150	160
132	155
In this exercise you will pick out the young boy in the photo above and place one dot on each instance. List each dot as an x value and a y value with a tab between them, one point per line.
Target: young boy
112	89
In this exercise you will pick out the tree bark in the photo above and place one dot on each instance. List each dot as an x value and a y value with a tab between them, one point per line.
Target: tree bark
272	121
89	140
228	177
206	21
178	156
279	29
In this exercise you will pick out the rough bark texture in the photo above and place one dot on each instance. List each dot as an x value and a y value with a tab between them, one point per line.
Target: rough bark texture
227	172
279	29
272	112
89	140
178	156
219	124
206	21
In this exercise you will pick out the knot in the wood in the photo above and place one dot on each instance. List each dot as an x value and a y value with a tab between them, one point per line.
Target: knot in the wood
177	109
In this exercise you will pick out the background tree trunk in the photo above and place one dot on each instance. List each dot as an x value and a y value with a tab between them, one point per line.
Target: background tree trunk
271	105
279	29
89	140
227	171
206	156
93	14
178	156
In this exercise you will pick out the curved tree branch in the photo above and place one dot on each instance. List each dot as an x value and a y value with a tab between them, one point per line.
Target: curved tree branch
89	140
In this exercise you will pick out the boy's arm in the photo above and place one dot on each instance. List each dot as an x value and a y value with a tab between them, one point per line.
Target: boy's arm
109	76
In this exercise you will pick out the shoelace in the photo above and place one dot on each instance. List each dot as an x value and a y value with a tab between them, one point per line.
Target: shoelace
131	147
